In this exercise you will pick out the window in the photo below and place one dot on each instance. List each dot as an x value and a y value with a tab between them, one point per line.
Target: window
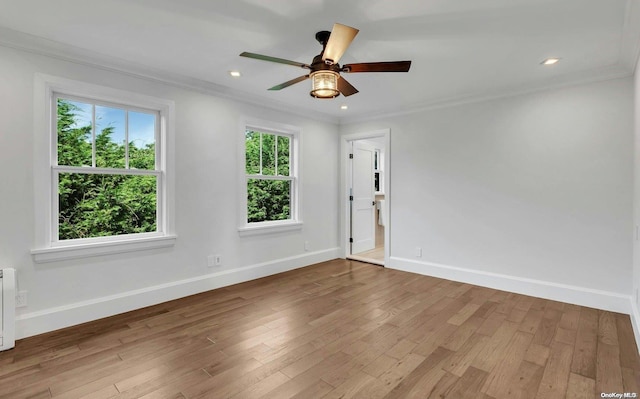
270	177
105	170
105	189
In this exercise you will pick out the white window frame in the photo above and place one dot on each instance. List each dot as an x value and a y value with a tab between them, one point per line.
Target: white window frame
266	227
47	246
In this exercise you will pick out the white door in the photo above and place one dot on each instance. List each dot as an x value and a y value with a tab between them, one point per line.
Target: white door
363	228
1	310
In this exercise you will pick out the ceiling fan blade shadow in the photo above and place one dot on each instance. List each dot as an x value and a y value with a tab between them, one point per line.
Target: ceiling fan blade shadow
340	39
290	82
389	66
345	87
274	59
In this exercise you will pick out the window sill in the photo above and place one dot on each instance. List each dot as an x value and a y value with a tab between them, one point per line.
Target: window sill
268	228
54	254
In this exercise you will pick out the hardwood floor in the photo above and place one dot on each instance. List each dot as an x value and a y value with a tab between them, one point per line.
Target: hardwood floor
375	256
338	329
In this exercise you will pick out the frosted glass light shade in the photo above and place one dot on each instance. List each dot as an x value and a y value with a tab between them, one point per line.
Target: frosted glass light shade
324	84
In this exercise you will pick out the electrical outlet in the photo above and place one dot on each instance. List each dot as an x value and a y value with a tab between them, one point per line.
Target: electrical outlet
211	261
21	299
306	245
217	260
418	252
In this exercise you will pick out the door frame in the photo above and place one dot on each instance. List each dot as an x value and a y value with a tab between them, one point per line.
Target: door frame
345	175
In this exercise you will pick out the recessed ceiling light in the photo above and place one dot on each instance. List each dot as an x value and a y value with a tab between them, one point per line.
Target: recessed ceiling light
550	61
235	74
344	106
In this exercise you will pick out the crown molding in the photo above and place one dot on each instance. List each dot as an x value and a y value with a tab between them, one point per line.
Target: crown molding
625	67
49	48
56	50
564	81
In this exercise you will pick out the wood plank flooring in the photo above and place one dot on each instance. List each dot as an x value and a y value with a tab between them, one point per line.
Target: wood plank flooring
339	329
376	255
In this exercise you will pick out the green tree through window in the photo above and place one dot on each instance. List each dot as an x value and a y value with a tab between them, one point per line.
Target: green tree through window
121	196
269	183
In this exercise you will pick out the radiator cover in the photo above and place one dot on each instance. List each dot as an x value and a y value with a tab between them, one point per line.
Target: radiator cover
7	309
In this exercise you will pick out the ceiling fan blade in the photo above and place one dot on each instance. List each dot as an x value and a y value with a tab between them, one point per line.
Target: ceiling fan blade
391	66
290	82
345	87
341	37
274	59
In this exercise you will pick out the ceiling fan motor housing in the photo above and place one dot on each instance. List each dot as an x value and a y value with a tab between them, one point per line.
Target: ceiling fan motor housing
319	64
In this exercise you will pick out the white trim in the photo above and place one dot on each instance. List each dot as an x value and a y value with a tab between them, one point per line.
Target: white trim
62	252
345	172
269	228
600	75
46	249
49	48
295	176
7	308
583	296
46	320
106	171
635	323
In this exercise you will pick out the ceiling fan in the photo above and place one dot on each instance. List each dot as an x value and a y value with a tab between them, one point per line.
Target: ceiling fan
326	81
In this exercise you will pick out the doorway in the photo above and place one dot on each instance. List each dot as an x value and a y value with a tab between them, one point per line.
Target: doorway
367	192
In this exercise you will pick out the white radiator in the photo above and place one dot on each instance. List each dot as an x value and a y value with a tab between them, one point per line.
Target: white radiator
7	309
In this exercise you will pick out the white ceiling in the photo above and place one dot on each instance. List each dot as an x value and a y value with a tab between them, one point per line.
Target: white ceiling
461	49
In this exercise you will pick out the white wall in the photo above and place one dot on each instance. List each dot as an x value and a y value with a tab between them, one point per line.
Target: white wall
531	193
206	181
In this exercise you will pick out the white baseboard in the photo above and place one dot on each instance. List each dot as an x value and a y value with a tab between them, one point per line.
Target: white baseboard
605	300
47	320
635	322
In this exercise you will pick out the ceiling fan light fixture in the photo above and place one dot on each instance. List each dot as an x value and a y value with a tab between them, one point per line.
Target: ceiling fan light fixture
324	84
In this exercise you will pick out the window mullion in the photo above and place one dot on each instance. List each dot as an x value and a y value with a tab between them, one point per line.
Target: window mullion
275	153
93	135
290	155
269	177
55	207
260	153
157	136
292	192
126	139
54	124
106	171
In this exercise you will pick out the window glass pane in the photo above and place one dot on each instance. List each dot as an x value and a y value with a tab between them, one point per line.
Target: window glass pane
268	200
268	154
283	155
142	141
110	140
92	205
74	133
252	149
